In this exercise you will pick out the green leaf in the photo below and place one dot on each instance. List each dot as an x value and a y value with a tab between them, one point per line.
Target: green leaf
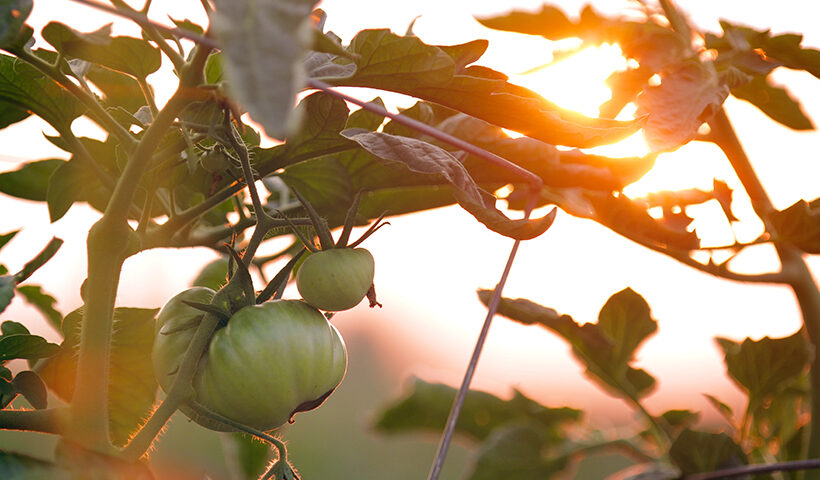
427	405
13	328
30	181
551	22
263	44
689	94
132	386
251	454
13	14
118	89
26	346
31	386
324	117
7	284
129	55
775	102
43	302
214	275
722	408
606	348
763	367
515	452
422	157
326	185
6	237
26	88
694	451
71	182
799	225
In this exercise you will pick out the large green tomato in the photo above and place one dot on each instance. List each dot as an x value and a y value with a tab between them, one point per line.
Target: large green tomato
336	279
270	362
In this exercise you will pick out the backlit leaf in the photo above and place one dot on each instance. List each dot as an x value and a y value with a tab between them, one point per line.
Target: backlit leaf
7	284
775	102
694	451
43	302
422	157
549	22
132	385
26	88
74	181
514	452
263	45
426	407
799	225
689	94
13	14
606	348
762	367
30	181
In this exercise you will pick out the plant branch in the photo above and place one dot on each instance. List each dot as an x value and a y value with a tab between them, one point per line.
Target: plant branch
52	420
756	470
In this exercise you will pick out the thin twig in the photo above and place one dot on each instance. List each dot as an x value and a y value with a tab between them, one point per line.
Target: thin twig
811	464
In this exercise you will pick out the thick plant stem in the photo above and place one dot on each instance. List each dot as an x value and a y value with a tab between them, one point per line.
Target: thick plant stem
797	274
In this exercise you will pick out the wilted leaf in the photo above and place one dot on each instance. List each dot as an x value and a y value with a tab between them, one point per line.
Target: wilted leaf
427	406
762	367
514	452
263	45
799	225
606	348
30	181
422	157
43	302
694	451
132	386
25	88
689	94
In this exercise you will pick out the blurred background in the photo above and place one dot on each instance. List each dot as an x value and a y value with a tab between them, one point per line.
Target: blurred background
430	264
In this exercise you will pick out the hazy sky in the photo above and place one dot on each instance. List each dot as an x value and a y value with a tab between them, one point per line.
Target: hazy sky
429	265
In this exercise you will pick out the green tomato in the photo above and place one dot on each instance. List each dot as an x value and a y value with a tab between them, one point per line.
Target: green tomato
336	279
270	362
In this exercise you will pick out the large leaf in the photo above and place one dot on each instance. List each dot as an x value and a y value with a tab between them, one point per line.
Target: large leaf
606	348
774	101
427	405
30	181
13	14
213	275
689	94
422	157
263	45
428	72
764	366
132	386
799	225
129	55
25	345
25	88
74	181
118	89
515	452
694	452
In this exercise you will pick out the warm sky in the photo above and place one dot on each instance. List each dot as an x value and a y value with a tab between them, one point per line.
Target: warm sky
429	265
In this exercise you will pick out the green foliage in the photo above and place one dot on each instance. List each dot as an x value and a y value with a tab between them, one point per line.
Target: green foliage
800	225
695	451
30	181
13	14
132	385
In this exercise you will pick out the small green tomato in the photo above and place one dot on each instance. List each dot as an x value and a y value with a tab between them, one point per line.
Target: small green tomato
336	279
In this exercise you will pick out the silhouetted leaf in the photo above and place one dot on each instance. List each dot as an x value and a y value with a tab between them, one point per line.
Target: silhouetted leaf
514	452
422	157
74	181
6	238
775	102
7	284
799	225
13	14
30	181
43	302
132	385
550	22
606	348
31	386
689	94
694	451
427	405
26	88
10	327
762	367
263	45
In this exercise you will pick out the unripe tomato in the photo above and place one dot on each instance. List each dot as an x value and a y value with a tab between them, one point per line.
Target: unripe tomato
336	279
270	362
